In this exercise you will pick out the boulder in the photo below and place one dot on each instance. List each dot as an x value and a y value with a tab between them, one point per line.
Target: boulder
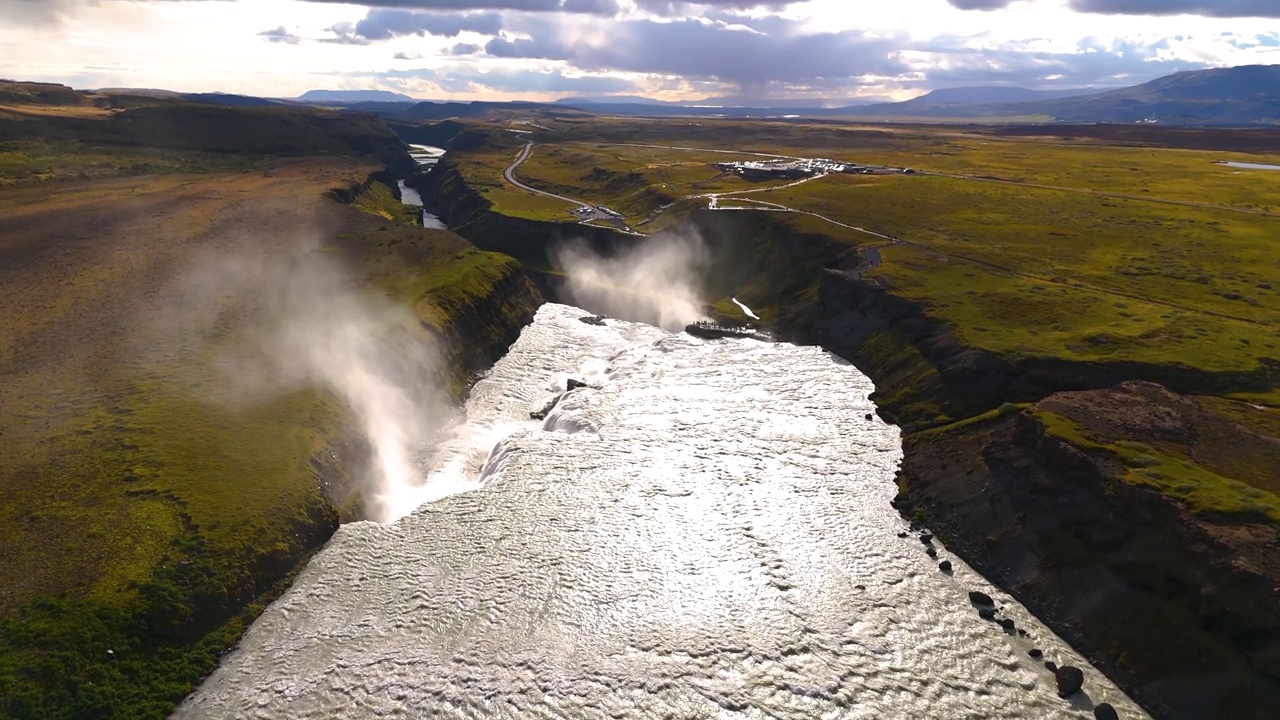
1035	653
1106	712
1070	680
987	613
945	566
1008	624
980	598
572	384
926	538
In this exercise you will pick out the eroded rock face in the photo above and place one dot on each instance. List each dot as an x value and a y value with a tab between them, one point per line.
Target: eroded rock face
671	541
1182	608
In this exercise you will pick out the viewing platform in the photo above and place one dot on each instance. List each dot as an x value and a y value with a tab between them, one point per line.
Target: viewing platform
714	331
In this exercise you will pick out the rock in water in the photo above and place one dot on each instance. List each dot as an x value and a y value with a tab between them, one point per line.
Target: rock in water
572	384
1035	653
945	566
1008	624
1106	712
987	613
1070	680
981	598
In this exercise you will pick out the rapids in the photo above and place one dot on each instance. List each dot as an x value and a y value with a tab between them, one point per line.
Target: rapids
703	531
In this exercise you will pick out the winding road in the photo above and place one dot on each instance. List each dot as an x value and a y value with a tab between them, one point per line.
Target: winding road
510	175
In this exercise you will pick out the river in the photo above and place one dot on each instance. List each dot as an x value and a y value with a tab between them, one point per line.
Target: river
704	531
412	197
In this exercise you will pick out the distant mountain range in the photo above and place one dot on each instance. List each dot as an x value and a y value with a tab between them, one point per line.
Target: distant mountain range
354	96
1245	95
1239	96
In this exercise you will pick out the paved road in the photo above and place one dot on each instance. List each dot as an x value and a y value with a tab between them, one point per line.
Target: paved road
510	175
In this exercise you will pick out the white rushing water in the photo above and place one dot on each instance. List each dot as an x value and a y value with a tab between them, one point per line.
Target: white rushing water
703	531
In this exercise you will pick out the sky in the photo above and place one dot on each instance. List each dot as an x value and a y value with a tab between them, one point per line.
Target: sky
819	51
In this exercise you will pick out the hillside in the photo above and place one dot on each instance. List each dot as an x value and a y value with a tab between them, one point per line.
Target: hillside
156	497
1244	95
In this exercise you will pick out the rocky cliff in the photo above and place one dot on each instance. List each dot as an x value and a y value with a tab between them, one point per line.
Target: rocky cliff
1176	600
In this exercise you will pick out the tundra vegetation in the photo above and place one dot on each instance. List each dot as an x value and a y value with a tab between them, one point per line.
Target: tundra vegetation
148	513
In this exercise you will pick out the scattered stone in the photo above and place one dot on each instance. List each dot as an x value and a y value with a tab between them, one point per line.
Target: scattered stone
594	320
987	613
901	502
546	410
572	384
902	534
1070	680
1023	633
1035	653
926	538
1008	624
870	416
1106	712
945	566
980	598
1051	666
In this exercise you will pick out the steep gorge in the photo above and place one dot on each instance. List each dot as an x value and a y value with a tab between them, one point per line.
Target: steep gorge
1152	586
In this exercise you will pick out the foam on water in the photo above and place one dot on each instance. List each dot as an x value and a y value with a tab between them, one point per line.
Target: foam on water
704	532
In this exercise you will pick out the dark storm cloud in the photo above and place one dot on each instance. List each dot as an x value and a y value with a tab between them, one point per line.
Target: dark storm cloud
1209	8
761	51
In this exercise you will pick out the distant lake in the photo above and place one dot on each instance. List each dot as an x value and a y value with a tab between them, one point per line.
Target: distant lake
1249	166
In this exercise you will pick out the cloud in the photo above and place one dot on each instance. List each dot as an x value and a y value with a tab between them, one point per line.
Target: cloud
1204	8
603	7
752	52
466	79
465	49
981	4
384	24
1208	8
280	35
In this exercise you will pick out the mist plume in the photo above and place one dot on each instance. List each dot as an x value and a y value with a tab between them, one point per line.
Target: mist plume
656	281
300	321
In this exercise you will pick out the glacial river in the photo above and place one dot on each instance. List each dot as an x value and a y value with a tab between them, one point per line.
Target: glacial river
704	531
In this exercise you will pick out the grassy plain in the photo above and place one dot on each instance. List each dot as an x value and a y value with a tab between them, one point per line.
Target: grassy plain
1091	252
